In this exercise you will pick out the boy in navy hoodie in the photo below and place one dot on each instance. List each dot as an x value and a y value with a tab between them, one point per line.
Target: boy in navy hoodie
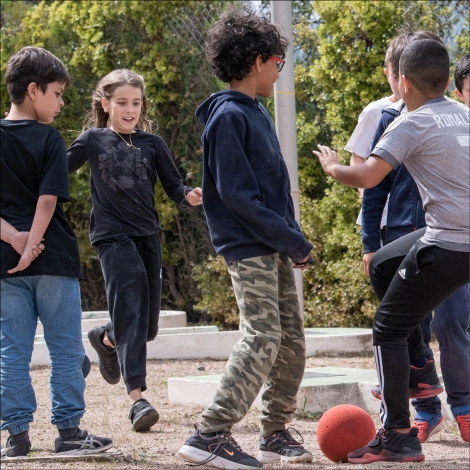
250	214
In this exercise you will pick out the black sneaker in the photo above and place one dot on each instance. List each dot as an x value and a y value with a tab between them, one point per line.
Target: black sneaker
219	450
142	415
281	446
82	444
424	382
19	449
390	446
108	361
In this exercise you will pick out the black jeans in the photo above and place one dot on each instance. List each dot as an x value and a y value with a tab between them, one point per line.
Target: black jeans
132	272
411	279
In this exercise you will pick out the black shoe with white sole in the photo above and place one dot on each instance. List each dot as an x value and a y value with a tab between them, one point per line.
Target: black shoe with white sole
281	446
217	449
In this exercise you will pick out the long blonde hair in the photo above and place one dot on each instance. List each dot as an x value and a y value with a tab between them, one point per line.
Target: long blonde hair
97	117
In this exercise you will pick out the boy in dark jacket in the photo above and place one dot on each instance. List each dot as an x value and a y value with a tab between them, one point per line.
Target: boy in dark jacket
414	274
250	214
451	319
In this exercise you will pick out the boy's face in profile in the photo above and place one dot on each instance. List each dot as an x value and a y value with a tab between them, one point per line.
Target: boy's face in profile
465	94
267	76
393	81
47	105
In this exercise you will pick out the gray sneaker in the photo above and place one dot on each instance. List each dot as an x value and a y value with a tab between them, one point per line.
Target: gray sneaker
108	360
82	444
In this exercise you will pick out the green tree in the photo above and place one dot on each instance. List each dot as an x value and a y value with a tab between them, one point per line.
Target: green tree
162	41
339	52
339	79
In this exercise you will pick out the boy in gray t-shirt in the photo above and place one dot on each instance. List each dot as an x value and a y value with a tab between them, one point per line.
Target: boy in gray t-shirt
433	143
414	274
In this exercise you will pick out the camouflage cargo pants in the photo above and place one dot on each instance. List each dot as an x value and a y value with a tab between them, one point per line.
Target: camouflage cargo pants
270	352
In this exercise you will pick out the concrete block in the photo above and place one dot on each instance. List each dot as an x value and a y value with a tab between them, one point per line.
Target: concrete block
322	388
167	319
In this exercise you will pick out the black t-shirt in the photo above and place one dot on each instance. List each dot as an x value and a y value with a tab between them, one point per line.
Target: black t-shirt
123	179
34	163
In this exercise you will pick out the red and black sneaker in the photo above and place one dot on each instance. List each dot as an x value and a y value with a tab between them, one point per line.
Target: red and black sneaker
428	428
390	446
424	382
464	427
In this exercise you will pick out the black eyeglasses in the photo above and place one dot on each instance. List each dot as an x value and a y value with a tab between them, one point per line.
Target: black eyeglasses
280	62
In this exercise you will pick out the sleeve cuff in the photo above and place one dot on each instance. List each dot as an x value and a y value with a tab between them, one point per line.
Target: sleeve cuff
387	156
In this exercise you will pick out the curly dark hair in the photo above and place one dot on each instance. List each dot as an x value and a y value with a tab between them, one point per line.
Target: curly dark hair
238	38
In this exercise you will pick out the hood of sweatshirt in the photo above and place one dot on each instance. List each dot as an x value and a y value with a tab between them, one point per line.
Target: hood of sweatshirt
209	107
394	110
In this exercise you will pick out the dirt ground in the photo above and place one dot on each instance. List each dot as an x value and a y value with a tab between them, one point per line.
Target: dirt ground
108	407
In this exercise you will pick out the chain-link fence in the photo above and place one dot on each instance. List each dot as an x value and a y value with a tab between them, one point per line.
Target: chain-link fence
191	21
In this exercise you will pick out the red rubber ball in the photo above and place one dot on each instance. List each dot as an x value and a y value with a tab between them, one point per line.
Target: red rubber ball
342	429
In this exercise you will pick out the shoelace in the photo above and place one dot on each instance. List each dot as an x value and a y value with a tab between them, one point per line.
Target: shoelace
223	440
286	436
381	433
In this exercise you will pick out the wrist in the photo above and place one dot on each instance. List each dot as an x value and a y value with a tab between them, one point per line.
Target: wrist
333	170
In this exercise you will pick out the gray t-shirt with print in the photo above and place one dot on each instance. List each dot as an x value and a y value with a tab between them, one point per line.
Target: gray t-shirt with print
433	144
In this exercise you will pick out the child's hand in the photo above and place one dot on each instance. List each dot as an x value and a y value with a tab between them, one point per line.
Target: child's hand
328	159
305	263
26	259
18	242
194	197
366	259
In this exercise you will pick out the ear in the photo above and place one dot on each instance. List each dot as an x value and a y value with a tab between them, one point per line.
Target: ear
406	84
32	91
105	104
458	94
258	63
386	72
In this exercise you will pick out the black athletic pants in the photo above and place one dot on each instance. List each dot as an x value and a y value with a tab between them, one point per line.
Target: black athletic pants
132	272
411	279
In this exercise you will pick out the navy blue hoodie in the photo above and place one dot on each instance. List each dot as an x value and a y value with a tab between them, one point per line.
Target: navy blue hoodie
245	184
405	207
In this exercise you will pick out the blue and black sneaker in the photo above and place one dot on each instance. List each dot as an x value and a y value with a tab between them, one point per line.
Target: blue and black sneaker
281	446
216	449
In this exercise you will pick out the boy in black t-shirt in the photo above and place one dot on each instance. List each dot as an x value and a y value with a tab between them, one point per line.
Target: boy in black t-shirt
34	181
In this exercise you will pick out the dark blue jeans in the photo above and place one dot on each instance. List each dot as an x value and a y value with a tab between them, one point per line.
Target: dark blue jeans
412	279
132	268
